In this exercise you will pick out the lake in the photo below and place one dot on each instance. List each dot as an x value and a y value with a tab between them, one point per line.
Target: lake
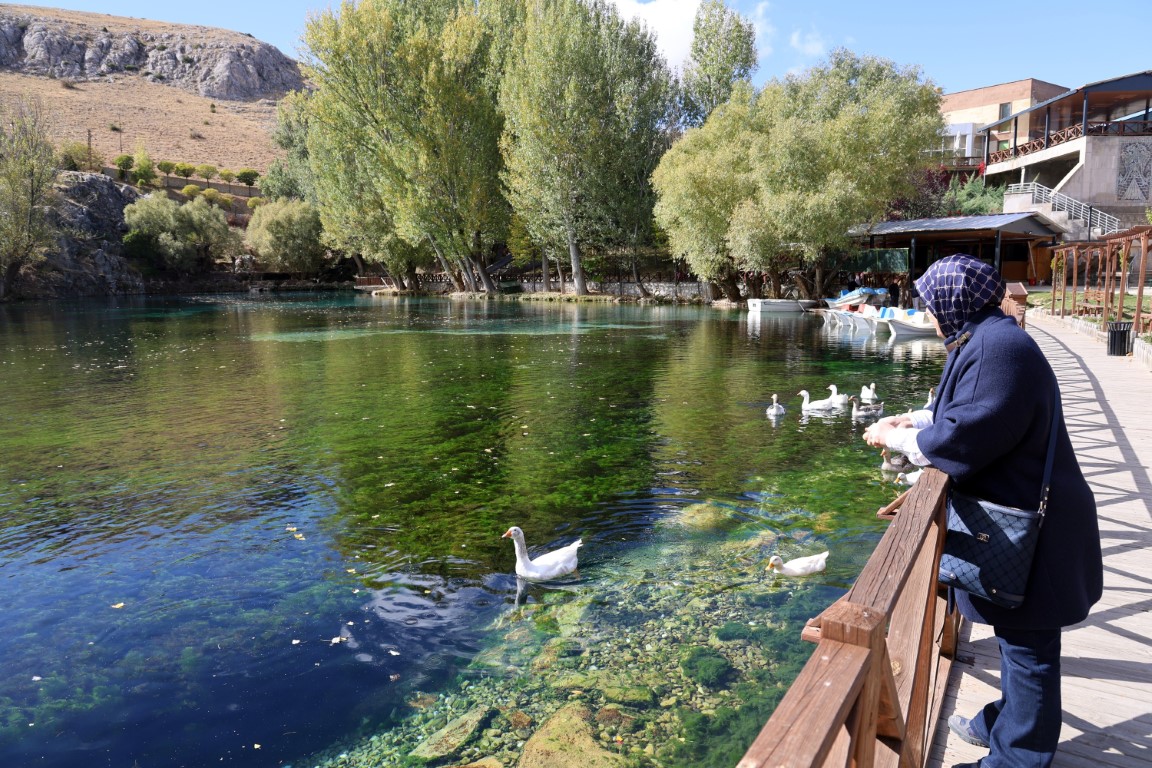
266	530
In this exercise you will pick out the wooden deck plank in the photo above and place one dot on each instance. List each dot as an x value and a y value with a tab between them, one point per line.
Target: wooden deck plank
1107	665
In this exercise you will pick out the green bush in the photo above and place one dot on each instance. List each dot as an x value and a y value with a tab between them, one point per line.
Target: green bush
191	191
78	156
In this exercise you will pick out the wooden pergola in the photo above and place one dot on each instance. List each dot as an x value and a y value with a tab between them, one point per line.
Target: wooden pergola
1112	255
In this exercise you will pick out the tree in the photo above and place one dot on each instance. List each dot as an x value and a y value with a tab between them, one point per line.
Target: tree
78	156
191	190
28	171
778	179
285	234
143	169
166	167
291	176
572	66
228	177
206	172
184	238
972	197
723	53
248	177
184	170
700	182
407	86
124	164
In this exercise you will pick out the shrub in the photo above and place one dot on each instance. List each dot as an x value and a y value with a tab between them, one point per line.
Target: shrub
144	169
78	156
68	84
194	134
184	170
286	234
255	202
166	167
124	164
206	172
191	191
114	128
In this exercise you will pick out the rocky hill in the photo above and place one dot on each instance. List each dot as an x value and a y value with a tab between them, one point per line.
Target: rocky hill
208	62
184	93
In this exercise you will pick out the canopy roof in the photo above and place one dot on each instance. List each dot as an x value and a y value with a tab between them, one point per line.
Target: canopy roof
1107	100
1025	225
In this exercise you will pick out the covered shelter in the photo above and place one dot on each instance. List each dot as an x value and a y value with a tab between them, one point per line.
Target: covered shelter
1016	244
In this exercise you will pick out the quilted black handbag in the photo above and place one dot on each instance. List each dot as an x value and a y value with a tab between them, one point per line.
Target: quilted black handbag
988	548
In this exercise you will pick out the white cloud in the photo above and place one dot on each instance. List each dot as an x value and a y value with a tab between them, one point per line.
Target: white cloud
670	20
765	31
808	43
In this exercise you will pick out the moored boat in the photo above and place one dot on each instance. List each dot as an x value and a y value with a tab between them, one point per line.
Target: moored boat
911	324
774	305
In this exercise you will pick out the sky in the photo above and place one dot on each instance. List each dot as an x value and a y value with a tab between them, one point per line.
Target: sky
956	46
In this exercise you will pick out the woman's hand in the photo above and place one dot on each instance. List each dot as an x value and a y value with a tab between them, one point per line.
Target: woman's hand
876	435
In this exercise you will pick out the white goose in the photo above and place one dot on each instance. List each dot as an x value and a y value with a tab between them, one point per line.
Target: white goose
815	405
866	410
550	565
868	393
776	409
838	400
801	566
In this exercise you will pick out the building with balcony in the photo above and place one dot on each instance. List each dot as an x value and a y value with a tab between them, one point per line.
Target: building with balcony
1082	157
967	113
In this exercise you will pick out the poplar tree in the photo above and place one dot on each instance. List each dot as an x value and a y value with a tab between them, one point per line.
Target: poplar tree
568	95
723	53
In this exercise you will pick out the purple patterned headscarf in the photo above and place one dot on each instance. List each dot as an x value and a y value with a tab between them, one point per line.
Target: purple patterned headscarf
957	287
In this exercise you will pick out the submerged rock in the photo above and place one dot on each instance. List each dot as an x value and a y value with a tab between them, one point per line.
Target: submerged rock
451	738
567	741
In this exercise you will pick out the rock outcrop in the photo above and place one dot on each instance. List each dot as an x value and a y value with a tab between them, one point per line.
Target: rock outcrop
77	46
86	260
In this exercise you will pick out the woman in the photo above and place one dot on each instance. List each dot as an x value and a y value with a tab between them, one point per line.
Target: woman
988	430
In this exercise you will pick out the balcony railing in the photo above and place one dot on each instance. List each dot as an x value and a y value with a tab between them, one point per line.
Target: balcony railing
1119	128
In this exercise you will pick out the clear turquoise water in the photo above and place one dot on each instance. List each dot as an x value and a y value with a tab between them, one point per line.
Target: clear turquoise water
198	495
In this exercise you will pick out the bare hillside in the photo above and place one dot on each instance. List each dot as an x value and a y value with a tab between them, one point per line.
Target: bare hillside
186	93
171	124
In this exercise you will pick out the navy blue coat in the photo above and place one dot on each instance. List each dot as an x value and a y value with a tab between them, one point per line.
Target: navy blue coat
990	435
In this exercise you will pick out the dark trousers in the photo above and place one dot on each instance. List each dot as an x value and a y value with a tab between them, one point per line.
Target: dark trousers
1023	727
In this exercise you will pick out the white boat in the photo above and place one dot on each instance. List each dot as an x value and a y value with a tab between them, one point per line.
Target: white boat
774	305
911	324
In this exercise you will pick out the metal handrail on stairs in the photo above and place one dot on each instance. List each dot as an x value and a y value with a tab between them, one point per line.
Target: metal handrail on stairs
1096	219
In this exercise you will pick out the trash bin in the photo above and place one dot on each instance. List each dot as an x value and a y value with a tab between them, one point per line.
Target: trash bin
1118	333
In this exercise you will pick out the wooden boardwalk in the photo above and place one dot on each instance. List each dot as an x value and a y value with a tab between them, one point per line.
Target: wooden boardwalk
1107	665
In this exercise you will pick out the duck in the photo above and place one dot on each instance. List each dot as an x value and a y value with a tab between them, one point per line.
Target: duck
868	393
908	478
550	565
838	400
776	409
801	566
866	410
815	405
890	462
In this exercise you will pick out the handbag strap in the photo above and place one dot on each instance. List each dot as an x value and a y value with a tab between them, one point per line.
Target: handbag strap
1056	410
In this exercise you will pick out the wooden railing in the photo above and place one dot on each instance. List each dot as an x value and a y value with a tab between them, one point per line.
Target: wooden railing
1095	128
871	691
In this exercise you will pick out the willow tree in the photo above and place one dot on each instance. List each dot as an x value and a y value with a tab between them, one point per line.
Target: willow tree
781	178
404	88
723	53
28	169
700	182
569	95
834	146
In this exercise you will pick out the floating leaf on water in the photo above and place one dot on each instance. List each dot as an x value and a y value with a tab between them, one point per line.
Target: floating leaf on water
350	570
118	605
393	653
295	642
290	528
37	678
255	746
299	536
386	485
